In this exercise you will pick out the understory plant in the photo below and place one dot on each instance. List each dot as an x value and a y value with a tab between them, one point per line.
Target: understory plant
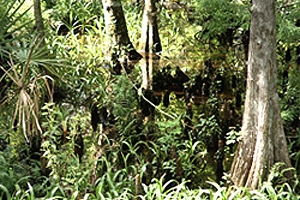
170	154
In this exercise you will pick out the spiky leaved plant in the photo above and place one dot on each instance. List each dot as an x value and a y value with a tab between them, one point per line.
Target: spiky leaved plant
28	93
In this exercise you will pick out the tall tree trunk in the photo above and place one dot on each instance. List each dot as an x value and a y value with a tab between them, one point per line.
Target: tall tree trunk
39	20
119	42
298	46
150	42
38	139
263	141
150	37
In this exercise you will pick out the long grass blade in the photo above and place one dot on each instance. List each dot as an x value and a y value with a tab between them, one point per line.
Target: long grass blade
14	69
17	19
3	188
28	61
50	92
10	76
22	113
17	110
27	108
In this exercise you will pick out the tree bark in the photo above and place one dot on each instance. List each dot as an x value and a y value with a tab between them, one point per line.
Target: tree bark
150	42
119	42
150	37
263	140
298	46
39	20
41	35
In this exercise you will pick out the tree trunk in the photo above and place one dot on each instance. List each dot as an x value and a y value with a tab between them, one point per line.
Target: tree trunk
150	42
119	42
263	141
298	46
39	20
150	37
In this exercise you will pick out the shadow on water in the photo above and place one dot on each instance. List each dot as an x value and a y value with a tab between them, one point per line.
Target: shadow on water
196	86
193	76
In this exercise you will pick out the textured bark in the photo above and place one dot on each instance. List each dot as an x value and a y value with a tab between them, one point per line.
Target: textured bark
298	47
150	37
263	140
39	20
150	42
41	35
119	42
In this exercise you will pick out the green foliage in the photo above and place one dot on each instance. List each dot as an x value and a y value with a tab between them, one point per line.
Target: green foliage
132	157
222	22
74	13
17	175
124	105
59	146
291	115
11	28
288	14
133	15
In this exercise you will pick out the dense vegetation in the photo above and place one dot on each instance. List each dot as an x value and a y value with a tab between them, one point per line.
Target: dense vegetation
71	128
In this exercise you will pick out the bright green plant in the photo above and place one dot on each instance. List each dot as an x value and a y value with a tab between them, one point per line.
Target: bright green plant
74	14
9	19
18	174
133	157
58	147
27	105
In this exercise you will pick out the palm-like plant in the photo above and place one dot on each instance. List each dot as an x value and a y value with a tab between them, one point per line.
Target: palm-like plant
10	16
25	70
28	93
